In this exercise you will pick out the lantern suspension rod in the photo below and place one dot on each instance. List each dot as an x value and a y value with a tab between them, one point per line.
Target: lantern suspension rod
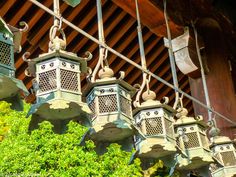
206	93
128	60
102	50
172	58
142	56
56	9
140	38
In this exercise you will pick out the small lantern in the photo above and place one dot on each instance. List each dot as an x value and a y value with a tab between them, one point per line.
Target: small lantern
193	141
10	87
110	101
223	150
57	85
72	3
155	122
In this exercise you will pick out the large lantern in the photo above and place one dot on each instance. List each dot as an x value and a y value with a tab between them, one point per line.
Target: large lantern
223	150
155	121
110	101
57	85
193	141
10	87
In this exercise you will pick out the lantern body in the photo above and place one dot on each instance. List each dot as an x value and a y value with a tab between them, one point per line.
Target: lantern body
194	143
155	122
110	101
224	151
9	85
72	3
57	86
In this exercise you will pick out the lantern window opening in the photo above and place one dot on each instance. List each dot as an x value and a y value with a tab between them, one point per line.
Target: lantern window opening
228	158
6	53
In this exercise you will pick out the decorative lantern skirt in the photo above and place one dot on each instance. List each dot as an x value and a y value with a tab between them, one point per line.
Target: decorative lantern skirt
155	121
110	101
224	151
58	88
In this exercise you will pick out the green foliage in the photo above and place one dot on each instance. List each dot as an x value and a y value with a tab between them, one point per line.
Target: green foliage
44	153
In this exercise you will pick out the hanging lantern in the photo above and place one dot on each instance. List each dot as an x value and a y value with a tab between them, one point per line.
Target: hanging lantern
57	85
193	141
110	101
108	98
10	87
155	121
223	150
72	3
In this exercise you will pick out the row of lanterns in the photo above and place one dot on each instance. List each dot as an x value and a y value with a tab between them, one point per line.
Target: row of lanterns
159	131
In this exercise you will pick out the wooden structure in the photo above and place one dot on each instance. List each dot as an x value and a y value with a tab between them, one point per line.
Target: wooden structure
120	32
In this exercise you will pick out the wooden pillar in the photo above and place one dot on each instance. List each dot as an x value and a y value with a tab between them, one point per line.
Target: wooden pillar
219	79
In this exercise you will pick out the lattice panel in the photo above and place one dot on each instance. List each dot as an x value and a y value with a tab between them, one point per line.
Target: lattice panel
204	141
92	108
169	127
47	81
177	141
107	103
125	106
5	54
217	156
154	126
193	141
228	158
69	80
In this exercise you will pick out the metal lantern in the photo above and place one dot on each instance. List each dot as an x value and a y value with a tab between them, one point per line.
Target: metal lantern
10	87
193	141
155	121
223	150
57	85
72	3
110	101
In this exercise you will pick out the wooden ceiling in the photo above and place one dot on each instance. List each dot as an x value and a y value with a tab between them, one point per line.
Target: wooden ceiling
120	34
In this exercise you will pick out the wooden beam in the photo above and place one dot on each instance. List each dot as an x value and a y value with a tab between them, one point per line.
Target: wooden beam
151	16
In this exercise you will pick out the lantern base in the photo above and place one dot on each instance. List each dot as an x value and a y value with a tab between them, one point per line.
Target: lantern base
156	147
203	172
60	109
112	131
225	171
10	86
197	158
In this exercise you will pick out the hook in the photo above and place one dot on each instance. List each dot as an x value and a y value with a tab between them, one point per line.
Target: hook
25	26
122	75
25	57
88	55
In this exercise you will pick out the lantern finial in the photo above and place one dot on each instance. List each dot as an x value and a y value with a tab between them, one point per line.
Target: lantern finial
105	73
181	113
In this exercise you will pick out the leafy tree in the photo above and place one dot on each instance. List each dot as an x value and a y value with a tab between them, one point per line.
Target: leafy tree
44	153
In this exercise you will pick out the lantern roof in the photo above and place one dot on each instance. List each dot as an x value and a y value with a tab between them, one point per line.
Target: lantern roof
4	28
152	104
106	78
64	54
183	119
113	80
217	140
